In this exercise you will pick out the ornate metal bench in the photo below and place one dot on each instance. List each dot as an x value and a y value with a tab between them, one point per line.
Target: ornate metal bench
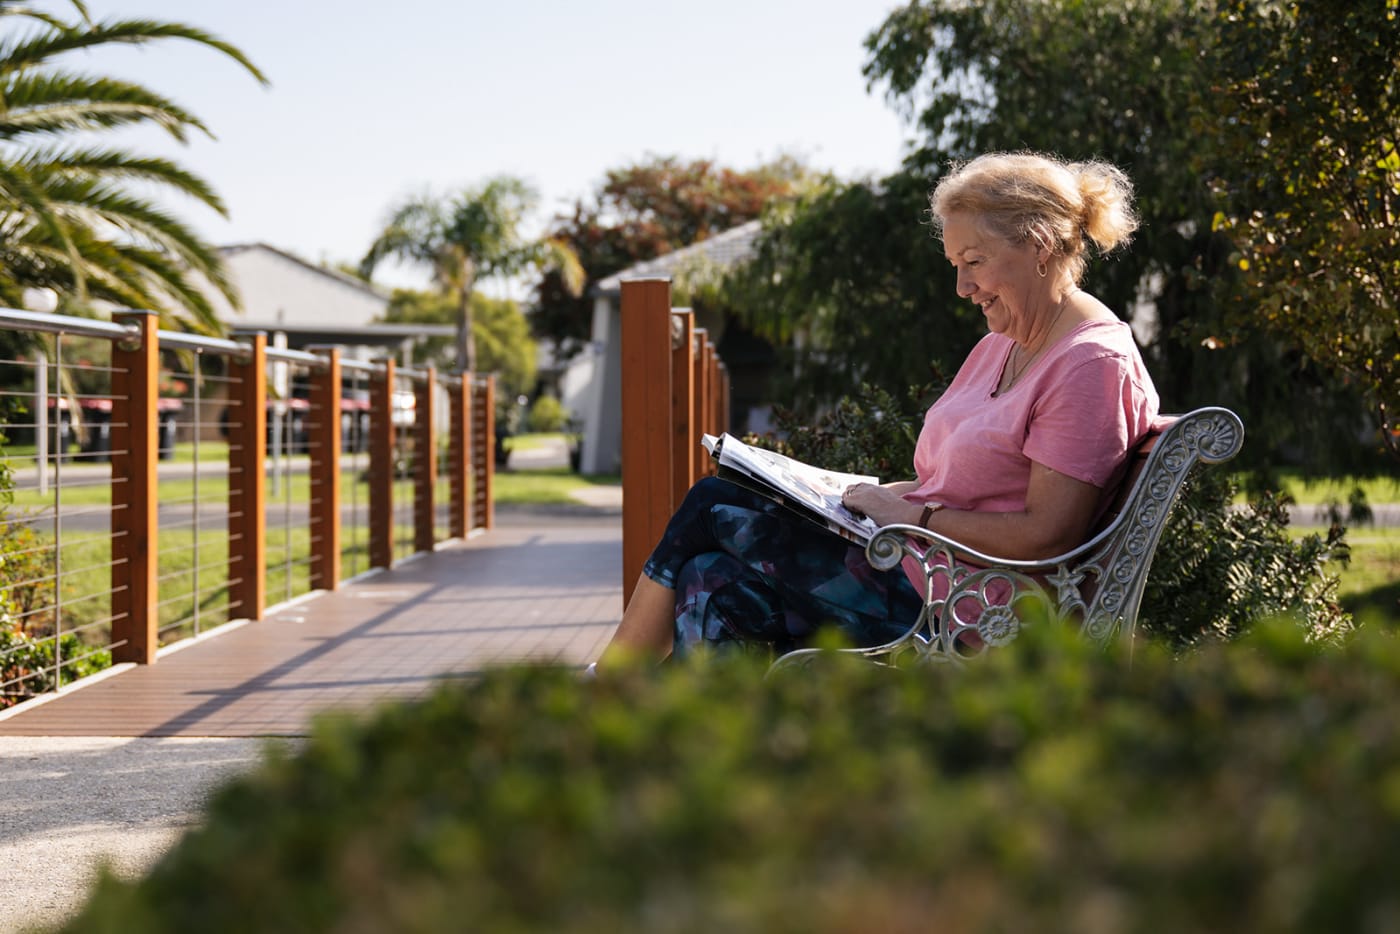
975	601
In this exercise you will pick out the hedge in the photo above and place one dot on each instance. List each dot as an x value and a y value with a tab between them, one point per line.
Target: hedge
1247	787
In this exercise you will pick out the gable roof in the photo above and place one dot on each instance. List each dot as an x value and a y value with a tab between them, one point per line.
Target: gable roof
235	249
734	245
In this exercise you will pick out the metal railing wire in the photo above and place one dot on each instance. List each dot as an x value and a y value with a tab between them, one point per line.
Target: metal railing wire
73	597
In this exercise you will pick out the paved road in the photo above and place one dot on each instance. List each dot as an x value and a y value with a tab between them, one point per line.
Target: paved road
70	804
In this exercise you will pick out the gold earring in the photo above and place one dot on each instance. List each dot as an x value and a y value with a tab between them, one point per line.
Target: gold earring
1042	270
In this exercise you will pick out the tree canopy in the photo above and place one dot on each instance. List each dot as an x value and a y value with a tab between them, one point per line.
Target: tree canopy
74	214
470	234
1221	113
642	211
500	332
1302	119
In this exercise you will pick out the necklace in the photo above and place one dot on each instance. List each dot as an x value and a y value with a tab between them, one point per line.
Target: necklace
1017	366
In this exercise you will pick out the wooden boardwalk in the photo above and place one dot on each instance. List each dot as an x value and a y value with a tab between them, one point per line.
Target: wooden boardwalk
541	585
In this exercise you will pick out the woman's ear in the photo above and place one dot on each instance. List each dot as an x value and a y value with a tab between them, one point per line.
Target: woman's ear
1042	240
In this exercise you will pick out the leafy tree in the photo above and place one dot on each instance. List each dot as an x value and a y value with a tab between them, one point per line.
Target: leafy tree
475	233
74	216
1302	129
642	211
852	290
500	333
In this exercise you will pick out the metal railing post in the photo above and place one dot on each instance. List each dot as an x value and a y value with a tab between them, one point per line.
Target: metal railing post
135	549
424	462
324	441
459	455
247	480
483	452
646	416
41	413
381	465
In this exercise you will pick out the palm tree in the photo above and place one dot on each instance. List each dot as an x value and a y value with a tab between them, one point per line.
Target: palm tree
69	220
474	234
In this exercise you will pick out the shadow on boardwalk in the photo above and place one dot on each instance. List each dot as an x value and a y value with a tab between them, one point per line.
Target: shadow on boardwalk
116	770
543	585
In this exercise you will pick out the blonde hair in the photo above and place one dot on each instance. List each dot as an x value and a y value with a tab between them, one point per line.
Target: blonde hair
1027	196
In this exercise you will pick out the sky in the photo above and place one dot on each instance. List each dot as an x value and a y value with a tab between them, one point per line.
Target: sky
371	103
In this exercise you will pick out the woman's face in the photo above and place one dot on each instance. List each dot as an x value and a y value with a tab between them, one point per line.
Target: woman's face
996	275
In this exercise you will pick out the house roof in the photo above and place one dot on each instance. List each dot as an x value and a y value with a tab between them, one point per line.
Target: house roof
723	249
335	275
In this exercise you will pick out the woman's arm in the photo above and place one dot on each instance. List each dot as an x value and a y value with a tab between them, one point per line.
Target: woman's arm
1059	511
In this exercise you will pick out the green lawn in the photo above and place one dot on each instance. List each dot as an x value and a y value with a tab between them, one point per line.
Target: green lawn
550	486
1316	491
1370	584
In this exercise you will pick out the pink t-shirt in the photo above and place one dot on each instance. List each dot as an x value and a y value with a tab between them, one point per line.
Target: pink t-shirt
1078	409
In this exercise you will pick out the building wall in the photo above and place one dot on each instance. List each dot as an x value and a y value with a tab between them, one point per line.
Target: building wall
278	289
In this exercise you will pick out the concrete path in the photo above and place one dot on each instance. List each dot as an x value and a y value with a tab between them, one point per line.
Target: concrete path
69	805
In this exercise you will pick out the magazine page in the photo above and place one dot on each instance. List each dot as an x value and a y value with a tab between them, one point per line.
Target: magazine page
795	483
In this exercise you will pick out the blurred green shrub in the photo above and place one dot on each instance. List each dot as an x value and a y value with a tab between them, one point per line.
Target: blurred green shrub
1217	569
28	645
547	414
1249	786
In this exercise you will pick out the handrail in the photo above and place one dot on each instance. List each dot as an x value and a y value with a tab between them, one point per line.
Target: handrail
50	323
132	426
182	340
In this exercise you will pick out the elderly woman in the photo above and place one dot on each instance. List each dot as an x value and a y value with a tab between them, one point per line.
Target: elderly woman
1019	457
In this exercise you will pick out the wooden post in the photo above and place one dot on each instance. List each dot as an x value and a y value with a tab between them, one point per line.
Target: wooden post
424	463
685	434
324	433
247	480
726	414
381	465
135	381
716	418
700	458
646	416
483	452
704	389
459	455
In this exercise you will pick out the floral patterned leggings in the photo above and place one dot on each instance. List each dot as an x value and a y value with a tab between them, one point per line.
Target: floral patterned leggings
747	571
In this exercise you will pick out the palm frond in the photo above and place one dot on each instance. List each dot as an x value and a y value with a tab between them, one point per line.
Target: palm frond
55	102
37	49
111	163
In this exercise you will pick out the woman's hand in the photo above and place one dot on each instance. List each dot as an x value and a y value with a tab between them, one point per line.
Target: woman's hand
881	503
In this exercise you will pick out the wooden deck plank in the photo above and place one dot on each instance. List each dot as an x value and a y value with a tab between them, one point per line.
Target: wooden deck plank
539	586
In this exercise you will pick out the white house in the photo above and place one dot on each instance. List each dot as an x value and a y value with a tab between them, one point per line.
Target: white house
299	303
592	385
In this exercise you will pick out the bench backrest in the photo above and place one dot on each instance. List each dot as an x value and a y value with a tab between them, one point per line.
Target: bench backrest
976	601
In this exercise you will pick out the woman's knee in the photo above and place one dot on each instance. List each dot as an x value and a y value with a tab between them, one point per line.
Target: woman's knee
709	491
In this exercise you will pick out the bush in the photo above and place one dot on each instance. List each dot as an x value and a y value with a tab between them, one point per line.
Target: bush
27	663
1251	786
28	622
547	414
1216	571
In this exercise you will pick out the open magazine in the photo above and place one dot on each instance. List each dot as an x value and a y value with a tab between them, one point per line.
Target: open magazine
809	491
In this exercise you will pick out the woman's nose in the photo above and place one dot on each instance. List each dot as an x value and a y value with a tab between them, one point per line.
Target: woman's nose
965	285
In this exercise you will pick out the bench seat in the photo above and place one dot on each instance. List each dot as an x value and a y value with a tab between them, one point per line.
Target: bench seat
975	601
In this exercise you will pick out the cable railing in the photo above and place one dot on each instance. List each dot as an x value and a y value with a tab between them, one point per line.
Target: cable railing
158	484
